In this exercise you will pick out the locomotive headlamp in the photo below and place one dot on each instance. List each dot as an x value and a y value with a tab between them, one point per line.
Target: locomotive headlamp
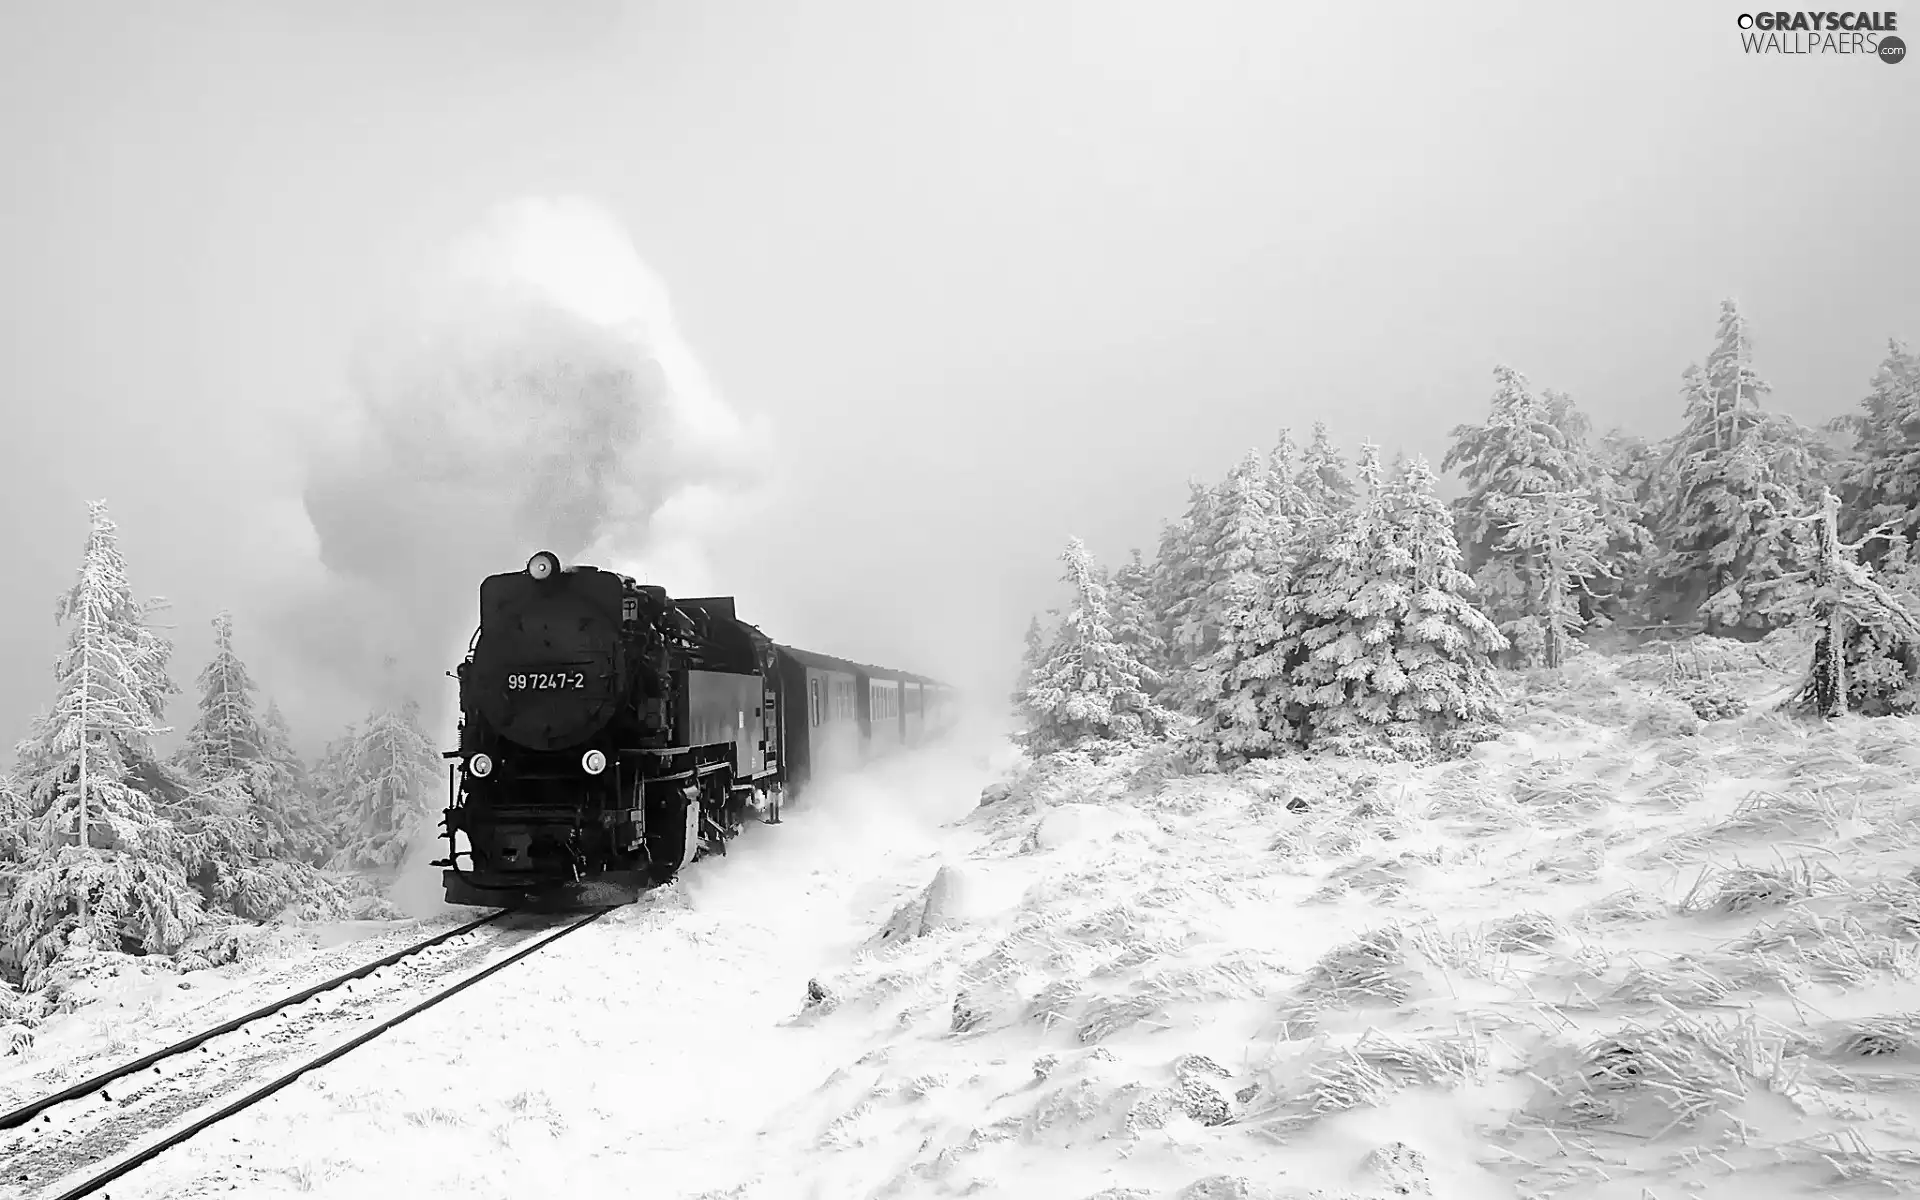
594	762
543	565
480	766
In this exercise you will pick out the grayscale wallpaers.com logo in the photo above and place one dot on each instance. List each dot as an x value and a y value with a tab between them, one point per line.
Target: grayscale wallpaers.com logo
1864	33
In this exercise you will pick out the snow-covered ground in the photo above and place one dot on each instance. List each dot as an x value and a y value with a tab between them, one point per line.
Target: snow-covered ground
1617	953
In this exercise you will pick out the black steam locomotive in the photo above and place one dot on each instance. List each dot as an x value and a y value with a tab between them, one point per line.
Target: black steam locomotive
610	734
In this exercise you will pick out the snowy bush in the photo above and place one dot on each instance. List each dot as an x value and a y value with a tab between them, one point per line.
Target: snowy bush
1709	701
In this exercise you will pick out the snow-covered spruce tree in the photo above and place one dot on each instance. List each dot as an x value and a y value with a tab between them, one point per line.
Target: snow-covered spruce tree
1135	624
1531	535
1740	474
243	821
1867	634
1323	479
1031	656
1879	483
1381	645
1560	537
226	740
1179	583
333	787
1089	688
1241	549
293	796
13	822
115	869
395	775
1634	494
1238	683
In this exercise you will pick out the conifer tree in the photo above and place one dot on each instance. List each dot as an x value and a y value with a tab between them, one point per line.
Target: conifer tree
1236	550
1633	494
333	784
99	853
227	739
1243	539
294	799
1880	483
1034	653
1380	641
1741	475
392	789
1089	687
1291	504
1323	479
1135	625
13	821
245	823
1252	570
1532	536
1561	538
1180	579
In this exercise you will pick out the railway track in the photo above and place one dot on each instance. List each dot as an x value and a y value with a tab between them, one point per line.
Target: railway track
76	1141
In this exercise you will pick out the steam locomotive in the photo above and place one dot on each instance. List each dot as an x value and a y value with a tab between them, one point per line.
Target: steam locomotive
610	734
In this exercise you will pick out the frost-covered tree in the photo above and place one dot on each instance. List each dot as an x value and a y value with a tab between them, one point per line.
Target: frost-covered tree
1252	570
1880	482
1135	624
1089	687
1561	538
1032	655
13	821
1180	580
244	820
1237	542
1532	535
1380	640
333	783
1292	506
293	799
1323	480
227	738
1740	475
99	853
391	791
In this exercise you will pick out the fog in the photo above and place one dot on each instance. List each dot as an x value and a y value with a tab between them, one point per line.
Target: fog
855	313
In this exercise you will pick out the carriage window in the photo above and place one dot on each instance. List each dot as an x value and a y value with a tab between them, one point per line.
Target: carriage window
813	701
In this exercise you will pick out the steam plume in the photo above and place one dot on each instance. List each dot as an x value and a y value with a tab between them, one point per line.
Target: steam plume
535	394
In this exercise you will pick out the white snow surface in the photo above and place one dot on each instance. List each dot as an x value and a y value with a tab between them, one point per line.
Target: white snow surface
1615	954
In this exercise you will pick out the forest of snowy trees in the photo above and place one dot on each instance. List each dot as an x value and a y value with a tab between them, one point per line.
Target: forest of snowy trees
1298	604
105	842
1302	603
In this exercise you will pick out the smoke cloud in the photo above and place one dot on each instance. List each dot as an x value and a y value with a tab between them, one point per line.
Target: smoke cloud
531	393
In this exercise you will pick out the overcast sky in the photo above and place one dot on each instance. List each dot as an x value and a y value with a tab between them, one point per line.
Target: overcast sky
990	273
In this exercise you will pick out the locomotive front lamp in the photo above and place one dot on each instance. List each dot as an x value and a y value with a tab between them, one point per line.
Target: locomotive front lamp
480	766
542	565
594	762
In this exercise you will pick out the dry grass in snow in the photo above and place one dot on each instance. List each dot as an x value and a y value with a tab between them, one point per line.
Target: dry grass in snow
1623	951
1627	950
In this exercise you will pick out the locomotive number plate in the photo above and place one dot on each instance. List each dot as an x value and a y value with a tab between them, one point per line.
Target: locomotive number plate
547	681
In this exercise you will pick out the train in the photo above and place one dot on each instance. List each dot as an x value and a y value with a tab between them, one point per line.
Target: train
610	734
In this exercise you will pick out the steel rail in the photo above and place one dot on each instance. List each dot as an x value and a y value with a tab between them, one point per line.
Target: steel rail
96	1182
